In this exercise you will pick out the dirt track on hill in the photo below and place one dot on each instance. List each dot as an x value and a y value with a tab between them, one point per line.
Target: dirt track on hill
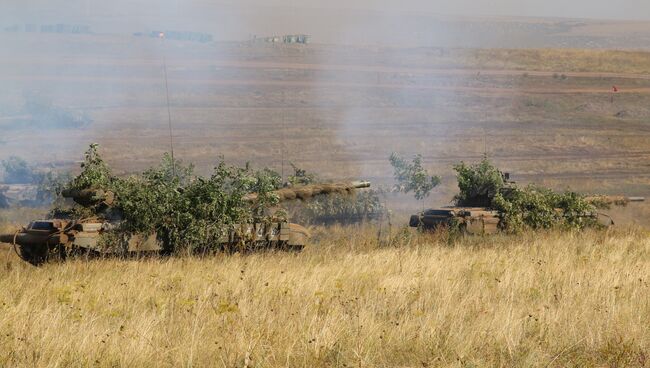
326	84
269	65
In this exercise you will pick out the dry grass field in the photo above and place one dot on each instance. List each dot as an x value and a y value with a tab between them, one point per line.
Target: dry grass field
534	300
350	299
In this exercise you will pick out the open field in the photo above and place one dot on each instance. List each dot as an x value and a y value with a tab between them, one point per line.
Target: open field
545	115
535	300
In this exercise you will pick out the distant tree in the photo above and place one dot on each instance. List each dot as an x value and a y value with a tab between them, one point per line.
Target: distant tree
17	171
4	202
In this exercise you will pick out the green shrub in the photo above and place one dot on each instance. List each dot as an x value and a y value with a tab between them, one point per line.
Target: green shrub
95	172
412	177
540	208
301	177
185	210
478	183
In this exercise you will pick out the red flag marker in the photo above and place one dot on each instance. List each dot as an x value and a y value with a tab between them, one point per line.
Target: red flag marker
614	89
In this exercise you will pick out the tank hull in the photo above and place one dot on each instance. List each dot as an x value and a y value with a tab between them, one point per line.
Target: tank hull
469	220
476	220
41	241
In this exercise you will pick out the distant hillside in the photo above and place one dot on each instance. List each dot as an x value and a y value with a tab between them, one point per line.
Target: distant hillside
331	26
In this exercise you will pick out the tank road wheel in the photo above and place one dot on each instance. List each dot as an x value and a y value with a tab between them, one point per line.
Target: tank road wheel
31	255
39	255
58	253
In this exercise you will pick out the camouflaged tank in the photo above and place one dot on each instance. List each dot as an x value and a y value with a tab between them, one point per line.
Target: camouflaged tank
486	221
483	220
45	240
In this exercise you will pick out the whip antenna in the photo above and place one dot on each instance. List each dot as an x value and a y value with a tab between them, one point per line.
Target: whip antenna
169	112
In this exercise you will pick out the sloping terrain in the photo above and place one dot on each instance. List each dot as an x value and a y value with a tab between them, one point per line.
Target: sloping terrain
548	116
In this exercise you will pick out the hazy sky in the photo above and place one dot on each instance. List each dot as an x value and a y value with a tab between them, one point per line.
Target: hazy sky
618	9
604	9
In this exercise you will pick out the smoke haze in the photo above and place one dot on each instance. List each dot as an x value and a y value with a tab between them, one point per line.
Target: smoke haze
378	77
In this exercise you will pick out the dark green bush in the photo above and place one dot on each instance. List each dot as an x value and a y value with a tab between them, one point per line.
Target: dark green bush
185	210
478	183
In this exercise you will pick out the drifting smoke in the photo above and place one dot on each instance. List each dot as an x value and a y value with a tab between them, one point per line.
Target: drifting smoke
353	104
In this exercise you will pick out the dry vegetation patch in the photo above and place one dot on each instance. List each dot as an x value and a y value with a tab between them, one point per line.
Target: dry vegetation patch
567	60
558	299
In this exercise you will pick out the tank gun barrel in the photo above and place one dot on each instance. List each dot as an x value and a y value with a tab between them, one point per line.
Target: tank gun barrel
305	192
26	239
7	238
613	200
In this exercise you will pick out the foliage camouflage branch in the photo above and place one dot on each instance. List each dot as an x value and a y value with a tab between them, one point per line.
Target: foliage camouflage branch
185	210
533	207
478	183
412	177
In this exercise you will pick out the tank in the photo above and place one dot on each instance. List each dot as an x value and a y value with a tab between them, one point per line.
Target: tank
483	220
44	240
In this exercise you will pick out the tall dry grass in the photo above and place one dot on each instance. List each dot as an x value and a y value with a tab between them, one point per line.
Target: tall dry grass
540	300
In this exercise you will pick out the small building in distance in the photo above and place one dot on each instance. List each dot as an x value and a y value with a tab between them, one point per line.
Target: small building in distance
50	28
299	38
286	39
